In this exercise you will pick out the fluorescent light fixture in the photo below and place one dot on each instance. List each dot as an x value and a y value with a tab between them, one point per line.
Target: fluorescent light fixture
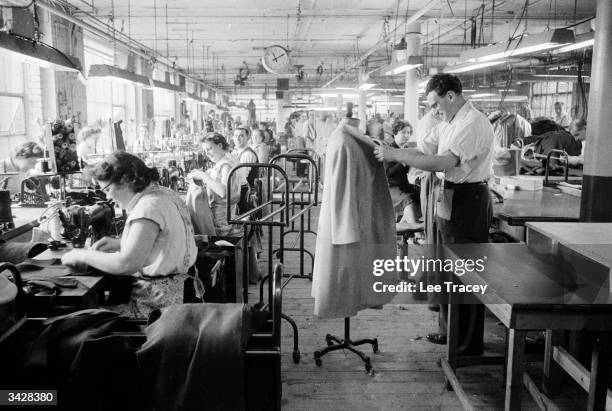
388	103
333	95
324	109
471	66
403	66
522	45
480	95
508	99
168	86
366	86
345	88
41	54
559	73
576	46
117	74
582	41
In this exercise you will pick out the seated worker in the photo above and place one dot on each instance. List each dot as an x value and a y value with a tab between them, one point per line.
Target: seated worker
546	136
86	141
22	161
157	245
397	173
215	180
578	130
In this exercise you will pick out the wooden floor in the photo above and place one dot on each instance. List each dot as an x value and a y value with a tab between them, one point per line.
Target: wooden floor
405	372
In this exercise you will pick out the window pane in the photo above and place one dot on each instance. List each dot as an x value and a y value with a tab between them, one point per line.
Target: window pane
12	117
11	81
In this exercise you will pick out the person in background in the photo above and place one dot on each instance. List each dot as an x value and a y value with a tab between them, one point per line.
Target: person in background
578	130
248	175
310	130
273	145
157	246
216	178
524	111
245	154
259	145
87	139
374	129
397	173
22	160
561	116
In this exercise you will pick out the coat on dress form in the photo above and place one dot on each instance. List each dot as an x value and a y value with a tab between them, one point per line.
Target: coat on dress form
356	227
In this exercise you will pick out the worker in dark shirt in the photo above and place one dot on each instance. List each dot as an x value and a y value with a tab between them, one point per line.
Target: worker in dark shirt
397	173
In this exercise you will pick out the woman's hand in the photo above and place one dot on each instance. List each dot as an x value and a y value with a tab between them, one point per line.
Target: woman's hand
106	244
383	152
75	258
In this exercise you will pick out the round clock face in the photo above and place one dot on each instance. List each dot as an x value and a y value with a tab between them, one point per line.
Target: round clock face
275	59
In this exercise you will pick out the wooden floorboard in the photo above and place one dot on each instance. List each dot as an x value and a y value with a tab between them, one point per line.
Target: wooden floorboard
406	374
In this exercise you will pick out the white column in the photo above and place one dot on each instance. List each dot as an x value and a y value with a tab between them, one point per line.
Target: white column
362	101
411	96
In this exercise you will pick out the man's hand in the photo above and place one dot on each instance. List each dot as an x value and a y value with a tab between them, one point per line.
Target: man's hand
383	152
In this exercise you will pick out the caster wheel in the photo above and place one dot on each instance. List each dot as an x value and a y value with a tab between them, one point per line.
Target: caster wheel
328	340
368	366
318	359
296	357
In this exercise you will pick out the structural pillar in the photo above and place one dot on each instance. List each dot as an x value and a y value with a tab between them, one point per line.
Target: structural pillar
362	100
411	96
596	202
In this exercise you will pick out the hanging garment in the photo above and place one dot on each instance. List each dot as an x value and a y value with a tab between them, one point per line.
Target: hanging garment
356	227
199	209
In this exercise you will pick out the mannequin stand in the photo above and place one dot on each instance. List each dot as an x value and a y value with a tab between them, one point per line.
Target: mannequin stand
334	344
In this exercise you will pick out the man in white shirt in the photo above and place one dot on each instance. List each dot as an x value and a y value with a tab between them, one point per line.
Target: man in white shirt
244	154
561	116
463	147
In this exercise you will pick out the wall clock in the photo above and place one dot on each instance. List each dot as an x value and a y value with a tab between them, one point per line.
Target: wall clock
275	59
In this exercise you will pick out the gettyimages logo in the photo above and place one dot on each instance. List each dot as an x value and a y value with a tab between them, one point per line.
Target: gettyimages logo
413	266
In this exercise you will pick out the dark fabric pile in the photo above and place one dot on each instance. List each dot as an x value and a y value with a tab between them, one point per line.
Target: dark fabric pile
192	358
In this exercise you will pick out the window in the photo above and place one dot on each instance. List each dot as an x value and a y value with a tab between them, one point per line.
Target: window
12	110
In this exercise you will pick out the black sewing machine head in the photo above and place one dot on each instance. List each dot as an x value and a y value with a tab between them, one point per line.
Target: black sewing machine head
95	221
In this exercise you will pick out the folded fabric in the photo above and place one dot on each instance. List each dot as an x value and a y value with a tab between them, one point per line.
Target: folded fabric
193	357
16	252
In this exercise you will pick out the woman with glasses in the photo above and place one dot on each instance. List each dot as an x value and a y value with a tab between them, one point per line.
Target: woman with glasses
157	246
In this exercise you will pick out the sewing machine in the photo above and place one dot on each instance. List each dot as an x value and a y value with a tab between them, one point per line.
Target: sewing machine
78	220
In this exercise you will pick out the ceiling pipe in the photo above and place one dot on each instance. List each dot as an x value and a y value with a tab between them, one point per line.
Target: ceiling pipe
142	50
382	42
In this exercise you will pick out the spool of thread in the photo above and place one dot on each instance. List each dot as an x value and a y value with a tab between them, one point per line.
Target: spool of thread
6	216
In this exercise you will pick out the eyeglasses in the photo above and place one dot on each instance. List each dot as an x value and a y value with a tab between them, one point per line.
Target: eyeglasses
105	188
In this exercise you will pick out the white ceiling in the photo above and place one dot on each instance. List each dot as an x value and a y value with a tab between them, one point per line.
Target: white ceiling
212	38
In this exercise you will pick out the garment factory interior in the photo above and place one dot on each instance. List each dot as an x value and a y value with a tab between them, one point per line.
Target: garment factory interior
305	204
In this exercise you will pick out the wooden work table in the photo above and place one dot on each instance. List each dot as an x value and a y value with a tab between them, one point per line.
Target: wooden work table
548	204
591	240
522	206
527	292
88	293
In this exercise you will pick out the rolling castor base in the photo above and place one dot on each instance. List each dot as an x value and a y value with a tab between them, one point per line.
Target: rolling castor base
334	344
